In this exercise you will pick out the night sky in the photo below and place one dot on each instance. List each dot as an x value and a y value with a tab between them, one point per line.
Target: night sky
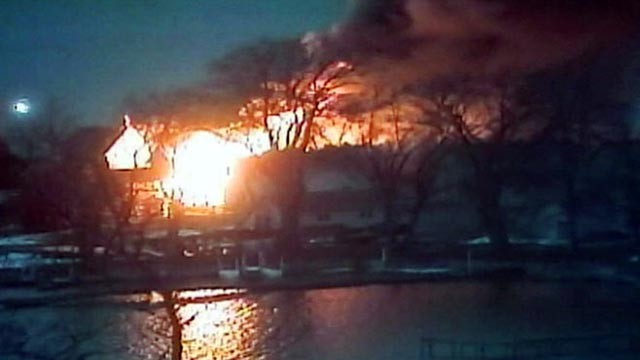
91	54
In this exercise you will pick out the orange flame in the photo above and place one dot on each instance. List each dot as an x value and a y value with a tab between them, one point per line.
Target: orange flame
203	162
203	165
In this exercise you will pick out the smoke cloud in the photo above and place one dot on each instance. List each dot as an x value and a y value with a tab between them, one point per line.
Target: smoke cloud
397	42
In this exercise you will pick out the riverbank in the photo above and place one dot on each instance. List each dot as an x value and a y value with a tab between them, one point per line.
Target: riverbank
92	287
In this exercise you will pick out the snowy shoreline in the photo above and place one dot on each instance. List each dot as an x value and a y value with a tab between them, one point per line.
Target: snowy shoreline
92	289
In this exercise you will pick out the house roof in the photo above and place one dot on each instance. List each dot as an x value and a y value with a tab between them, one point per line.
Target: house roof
129	151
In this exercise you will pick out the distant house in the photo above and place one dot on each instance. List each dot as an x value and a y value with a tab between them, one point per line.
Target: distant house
335	197
345	208
348	208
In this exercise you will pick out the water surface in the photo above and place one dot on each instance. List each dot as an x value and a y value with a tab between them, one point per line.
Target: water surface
372	322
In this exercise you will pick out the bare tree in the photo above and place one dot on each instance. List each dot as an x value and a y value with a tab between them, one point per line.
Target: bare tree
288	94
65	191
290	115
487	121
579	133
401	144
424	171
76	191
387	161
42	136
12	166
289	110
258	72
172	306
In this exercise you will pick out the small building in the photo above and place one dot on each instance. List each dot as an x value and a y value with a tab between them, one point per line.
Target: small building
348	208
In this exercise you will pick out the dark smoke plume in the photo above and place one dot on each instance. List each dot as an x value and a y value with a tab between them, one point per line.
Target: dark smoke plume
398	42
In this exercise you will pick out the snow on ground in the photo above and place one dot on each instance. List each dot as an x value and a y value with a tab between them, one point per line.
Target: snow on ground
543	242
26	239
477	241
18	260
163	233
21	260
13	258
415	270
483	240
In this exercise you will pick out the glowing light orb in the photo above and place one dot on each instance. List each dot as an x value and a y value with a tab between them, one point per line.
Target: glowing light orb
22	107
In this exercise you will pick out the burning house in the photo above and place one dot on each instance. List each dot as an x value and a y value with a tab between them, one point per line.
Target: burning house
190	168
227	190
194	168
251	170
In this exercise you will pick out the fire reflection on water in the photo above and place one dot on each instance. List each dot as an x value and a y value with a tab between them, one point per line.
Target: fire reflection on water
224	324
225	329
